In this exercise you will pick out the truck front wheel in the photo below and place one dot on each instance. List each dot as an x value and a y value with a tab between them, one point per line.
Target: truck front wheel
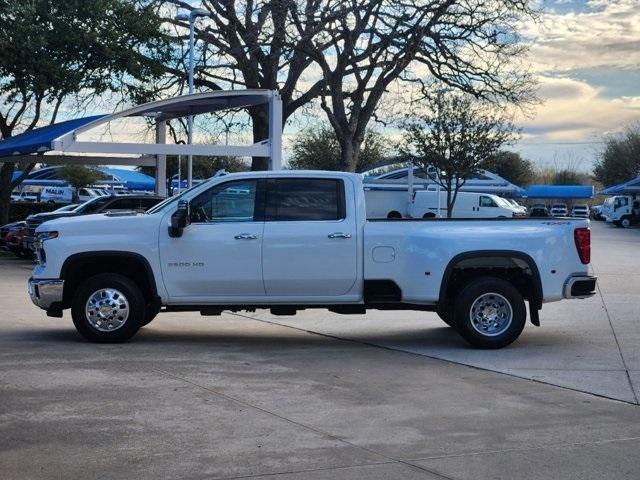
108	308
490	313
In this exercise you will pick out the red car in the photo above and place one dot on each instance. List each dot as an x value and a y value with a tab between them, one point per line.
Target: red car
11	239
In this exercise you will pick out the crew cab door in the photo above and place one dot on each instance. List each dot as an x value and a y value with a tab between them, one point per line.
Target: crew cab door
219	254
310	239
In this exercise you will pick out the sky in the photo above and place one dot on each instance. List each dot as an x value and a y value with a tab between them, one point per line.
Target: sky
586	57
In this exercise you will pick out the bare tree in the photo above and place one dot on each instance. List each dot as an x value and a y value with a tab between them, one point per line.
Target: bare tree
455	136
365	46
247	44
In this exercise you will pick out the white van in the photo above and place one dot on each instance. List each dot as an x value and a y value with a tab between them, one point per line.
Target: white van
467	205
56	195
396	203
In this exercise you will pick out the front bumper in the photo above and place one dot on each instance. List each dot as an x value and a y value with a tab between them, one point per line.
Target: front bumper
580	286
45	292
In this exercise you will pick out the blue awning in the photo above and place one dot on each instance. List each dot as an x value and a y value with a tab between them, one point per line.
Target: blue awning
559	191
630	187
39	139
612	190
131	179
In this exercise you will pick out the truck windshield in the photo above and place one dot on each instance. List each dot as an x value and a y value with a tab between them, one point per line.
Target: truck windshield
171	200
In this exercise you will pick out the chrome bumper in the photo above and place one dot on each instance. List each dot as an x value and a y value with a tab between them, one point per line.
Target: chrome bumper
44	293
580	286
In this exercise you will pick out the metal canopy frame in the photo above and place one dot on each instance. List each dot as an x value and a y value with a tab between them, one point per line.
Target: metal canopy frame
162	111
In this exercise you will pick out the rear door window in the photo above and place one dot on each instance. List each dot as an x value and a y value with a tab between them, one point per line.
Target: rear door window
305	199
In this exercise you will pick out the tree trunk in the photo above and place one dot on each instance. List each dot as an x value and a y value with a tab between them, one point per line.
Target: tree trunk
349	154
260	121
6	174
449	202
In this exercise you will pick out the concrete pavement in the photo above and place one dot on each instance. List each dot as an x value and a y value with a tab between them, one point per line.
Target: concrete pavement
590	345
237	397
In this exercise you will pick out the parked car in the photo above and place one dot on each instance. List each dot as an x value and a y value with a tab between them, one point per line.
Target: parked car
67	208
580	211
520	210
85	194
99	204
595	212
292	240
559	210
11	239
538	210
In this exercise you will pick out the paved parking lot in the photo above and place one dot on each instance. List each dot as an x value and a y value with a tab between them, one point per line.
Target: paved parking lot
258	396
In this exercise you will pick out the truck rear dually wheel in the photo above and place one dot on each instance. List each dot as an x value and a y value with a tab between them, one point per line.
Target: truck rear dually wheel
108	308
490	313
447	315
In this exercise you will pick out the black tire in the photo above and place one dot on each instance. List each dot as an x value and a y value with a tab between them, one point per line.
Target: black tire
507	294
394	215
150	313
447	315
625	222
133	296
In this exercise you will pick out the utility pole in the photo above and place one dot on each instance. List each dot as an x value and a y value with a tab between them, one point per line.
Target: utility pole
191	18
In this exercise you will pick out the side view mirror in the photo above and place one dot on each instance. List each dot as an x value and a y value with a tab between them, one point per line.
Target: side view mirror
180	219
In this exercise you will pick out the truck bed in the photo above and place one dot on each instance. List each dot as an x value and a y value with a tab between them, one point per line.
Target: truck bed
391	248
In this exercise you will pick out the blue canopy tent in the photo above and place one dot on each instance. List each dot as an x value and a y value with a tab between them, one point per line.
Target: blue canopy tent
39	140
628	188
559	191
130	179
66	137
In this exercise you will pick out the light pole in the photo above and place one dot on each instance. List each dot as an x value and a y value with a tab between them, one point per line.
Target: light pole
191	18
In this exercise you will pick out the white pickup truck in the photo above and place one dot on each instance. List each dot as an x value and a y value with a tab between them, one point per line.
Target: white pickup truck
288	241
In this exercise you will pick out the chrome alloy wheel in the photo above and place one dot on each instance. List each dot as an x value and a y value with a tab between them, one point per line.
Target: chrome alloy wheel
107	309
491	314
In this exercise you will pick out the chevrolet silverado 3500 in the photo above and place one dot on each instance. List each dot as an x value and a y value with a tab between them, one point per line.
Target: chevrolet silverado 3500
288	241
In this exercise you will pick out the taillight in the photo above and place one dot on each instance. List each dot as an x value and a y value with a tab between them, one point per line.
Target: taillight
582	237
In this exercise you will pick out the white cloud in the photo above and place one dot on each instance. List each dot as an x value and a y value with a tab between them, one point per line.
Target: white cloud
605	34
575	110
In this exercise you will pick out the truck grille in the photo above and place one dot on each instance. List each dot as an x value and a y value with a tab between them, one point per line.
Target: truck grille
30	231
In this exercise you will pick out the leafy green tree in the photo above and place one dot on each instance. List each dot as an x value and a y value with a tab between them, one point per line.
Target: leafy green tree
57	51
620	159
511	166
319	149
79	177
454	137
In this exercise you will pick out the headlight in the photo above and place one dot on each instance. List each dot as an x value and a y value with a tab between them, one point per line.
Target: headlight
42	236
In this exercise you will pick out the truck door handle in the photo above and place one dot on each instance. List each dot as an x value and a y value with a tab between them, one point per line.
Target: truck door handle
245	236
339	235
